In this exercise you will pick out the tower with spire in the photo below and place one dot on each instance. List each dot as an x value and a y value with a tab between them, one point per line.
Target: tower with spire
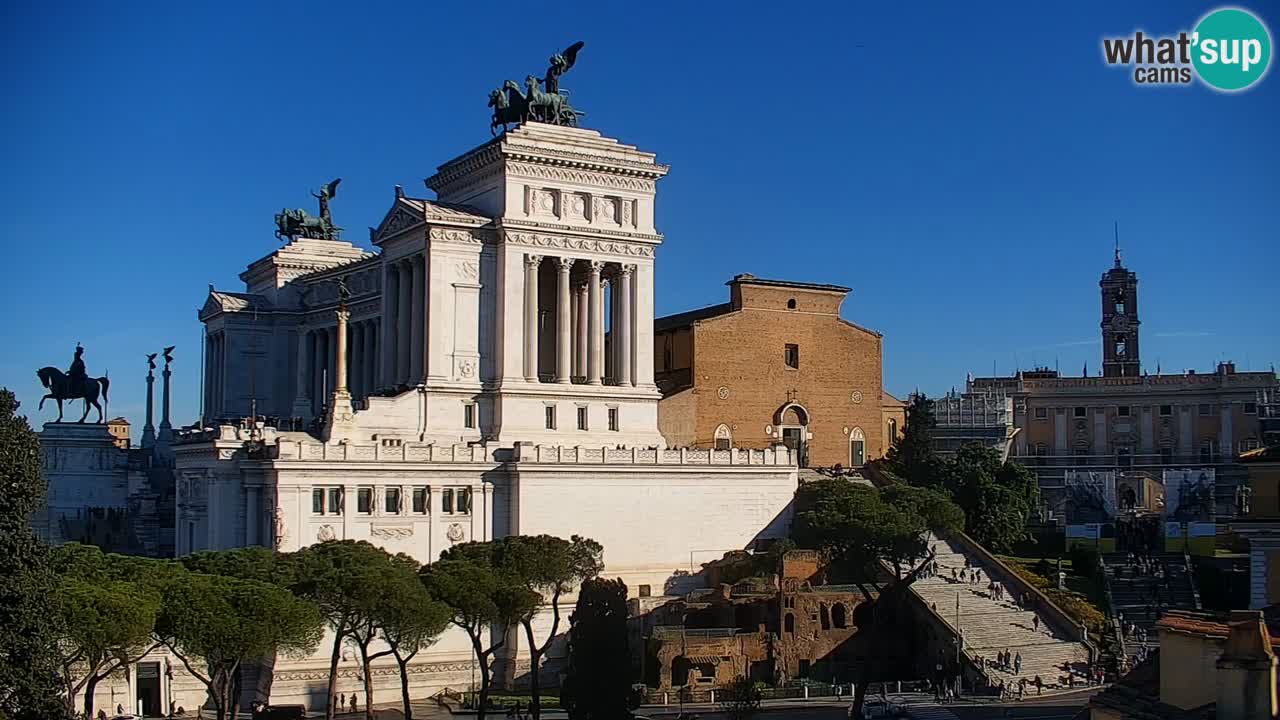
1120	323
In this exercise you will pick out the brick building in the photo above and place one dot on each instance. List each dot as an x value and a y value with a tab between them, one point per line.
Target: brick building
775	364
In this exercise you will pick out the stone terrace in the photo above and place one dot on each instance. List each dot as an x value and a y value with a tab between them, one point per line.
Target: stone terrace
992	626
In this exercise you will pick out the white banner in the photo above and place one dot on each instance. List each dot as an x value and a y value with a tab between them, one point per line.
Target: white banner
1091	496
1188	495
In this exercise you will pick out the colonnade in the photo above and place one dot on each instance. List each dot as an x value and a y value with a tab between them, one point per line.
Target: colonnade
403	321
578	307
215	359
318	360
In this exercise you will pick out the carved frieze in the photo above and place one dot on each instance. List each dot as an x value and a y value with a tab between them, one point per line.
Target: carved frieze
588	245
456	235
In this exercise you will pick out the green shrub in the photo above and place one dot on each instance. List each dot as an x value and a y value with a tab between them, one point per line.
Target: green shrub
1079	609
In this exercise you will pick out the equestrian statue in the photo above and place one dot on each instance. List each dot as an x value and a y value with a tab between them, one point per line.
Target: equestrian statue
75	384
293	224
545	102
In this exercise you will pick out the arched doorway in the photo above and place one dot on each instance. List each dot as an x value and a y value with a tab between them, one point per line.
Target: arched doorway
792	421
724	437
857	448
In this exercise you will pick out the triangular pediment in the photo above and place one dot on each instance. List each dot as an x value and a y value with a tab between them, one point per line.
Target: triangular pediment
402	216
212	306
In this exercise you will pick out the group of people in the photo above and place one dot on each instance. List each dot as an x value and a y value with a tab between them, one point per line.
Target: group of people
339	703
1009	662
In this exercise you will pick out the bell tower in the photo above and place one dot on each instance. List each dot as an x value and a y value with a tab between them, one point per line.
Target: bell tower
1120	356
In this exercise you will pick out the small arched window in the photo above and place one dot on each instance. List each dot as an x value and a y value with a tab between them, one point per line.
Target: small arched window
724	437
791	304
789	623
838	619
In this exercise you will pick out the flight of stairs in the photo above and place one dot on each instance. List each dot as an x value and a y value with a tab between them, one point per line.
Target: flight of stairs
1131	595
991	626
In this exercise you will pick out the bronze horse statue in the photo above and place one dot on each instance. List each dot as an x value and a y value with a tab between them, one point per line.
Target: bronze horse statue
59	385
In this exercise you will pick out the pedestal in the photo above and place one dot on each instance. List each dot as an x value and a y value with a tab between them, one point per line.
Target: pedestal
86	474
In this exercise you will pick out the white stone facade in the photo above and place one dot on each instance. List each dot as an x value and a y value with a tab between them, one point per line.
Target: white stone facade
499	351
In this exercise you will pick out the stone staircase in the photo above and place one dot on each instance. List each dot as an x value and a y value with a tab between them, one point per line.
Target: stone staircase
1133	596
992	626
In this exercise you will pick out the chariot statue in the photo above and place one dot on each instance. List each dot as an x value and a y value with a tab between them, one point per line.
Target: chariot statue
543	100
75	384
296	223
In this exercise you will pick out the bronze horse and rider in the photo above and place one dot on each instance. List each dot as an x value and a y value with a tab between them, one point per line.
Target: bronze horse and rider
73	385
543	102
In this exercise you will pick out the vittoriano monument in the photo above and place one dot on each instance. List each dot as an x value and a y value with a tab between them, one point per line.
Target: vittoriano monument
298	223
544	102
75	384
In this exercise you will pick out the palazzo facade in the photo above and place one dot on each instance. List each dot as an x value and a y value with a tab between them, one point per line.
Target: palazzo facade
488	371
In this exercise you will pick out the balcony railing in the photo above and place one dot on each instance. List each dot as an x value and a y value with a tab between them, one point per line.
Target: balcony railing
1114	460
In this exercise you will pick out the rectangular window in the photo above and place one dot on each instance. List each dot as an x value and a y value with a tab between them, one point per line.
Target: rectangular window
1251	408
1042	413
446	501
1166	456
1122	411
1082	456
1166	410
392	501
549	412
1080	412
420	501
1204	409
464	500
317	501
613	419
364	500
335	501
791	356
582	418
469	416
646	590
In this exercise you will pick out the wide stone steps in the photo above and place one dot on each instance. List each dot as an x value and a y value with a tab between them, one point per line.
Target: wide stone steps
1131	594
991	626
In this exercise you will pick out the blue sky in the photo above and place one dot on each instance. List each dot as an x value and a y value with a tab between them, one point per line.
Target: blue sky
959	165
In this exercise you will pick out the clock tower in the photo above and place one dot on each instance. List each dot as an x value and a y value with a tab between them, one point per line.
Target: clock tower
1120	322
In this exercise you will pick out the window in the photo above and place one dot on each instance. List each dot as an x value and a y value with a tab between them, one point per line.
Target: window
1166	410
392	501
1042	413
791	356
1251	408
1082	456
893	430
1119	303
1041	449
582	417
646	591
1206	451
317	501
724	437
335	501
1166	456
1205	409
1122	345
420	500
1122	411
364	500
455	501
1124	457
469	415
1250	444
1080	412
791	304
613	419
550	414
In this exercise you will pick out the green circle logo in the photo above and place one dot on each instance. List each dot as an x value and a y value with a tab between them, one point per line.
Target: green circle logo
1231	49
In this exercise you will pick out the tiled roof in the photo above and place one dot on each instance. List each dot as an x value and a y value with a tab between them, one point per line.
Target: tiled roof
239	302
1204	624
749	279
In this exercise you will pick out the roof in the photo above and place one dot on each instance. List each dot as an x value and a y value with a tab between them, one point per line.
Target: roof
749	279
448	212
888	400
117	421
1204	624
235	302
689	317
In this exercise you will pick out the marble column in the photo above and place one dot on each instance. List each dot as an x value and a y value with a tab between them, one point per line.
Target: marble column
340	353
564	373
370	352
417	322
390	296
403	318
607	368
166	428
253	515
622	336
574	369
149	430
595	322
319	377
531	317
580	331
302	394
357	359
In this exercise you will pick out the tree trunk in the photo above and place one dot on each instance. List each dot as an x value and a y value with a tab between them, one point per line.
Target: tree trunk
404	686
368	683
90	687
535	660
330	706
235	691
